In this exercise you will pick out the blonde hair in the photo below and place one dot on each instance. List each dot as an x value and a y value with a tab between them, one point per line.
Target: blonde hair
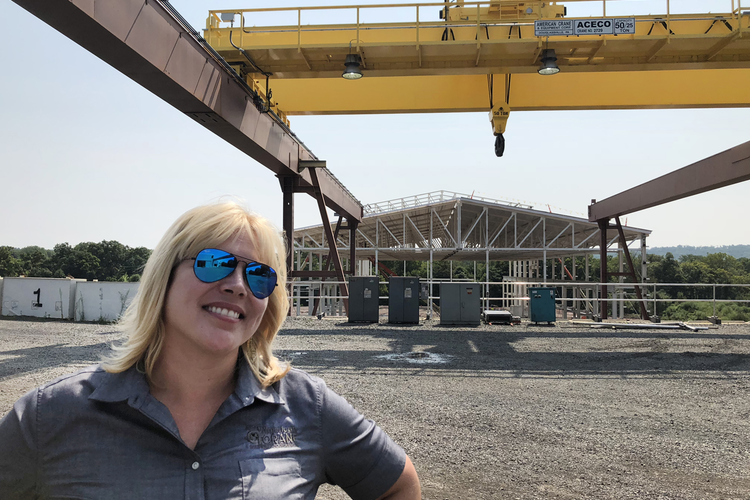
203	227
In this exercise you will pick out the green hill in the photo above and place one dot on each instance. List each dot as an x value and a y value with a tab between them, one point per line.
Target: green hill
736	251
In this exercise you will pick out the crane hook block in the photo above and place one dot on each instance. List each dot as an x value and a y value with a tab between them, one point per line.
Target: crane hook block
499	118
499	145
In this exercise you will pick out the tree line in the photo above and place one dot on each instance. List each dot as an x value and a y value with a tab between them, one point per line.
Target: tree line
105	261
716	268
736	251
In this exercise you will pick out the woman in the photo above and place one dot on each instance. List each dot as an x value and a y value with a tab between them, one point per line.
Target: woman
194	404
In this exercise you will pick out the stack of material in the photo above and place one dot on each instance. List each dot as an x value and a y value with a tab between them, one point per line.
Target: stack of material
500	318
645	326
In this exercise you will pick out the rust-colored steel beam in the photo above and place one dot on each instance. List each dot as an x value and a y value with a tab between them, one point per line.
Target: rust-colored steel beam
332	247
328	260
287	188
604	274
603	225
150	43
722	169
644	311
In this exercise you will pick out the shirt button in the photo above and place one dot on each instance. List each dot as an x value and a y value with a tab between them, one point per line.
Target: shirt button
196	465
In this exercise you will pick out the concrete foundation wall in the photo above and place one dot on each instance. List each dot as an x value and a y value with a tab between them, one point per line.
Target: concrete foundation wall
38	297
103	301
65	298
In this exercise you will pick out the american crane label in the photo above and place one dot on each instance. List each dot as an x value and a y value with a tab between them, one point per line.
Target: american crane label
555	27
603	26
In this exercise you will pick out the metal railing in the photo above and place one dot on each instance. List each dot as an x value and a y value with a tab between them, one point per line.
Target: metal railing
424	199
576	304
349	17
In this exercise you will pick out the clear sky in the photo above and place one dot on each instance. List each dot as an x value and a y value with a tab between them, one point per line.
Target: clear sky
88	155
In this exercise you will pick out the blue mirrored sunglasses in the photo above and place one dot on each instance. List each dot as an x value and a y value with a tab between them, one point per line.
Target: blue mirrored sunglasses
212	265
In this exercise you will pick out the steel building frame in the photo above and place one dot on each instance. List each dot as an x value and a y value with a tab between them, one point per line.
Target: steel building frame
448	226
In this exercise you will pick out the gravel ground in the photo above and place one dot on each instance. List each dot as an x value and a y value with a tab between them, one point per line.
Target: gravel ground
563	411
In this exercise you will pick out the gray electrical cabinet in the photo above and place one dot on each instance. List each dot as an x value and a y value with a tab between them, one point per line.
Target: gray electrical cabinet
363	299
542	304
459	304
403	299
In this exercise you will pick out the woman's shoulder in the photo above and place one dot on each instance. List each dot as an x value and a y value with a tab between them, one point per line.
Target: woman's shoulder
296	379
301	387
74	384
62	392
91	382
74	378
297	376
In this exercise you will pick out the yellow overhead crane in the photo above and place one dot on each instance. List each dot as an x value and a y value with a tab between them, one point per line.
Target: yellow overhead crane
485	56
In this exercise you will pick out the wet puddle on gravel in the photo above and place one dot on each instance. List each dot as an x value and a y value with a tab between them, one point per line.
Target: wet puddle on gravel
417	357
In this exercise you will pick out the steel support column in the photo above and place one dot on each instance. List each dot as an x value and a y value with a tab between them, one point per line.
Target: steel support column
287	188
544	252
333	251
429	295
352	246
624	246
644	269
487	259
604	274
603	225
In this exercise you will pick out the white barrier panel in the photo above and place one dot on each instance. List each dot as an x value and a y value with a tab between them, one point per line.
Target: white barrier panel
38	297
103	300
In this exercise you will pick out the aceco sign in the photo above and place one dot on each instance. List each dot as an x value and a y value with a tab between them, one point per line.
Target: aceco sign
601	23
568	27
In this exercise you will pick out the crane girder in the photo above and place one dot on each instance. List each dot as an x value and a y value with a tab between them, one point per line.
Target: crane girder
528	92
668	61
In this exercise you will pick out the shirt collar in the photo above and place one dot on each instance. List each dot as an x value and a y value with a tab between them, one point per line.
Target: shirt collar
249	388
131	385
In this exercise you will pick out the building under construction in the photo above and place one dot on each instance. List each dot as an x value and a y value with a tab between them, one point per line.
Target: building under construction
448	226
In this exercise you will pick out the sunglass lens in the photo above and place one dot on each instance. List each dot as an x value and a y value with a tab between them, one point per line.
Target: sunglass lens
261	279
213	265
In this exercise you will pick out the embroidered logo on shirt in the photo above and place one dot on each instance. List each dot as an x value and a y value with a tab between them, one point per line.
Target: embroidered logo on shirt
272	437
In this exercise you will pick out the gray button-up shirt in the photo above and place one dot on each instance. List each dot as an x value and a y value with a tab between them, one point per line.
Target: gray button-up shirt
94	435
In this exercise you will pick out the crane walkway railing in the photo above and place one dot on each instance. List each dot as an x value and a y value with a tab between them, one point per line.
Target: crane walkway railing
422	17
